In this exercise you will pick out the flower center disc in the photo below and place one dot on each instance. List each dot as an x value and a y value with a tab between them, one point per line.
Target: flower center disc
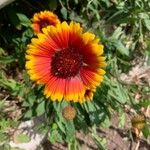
43	24
66	63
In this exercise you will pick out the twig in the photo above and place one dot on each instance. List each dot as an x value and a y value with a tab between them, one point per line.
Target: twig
62	5
137	146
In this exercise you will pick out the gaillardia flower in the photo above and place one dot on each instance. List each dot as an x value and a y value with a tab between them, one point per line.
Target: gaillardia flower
67	61
43	19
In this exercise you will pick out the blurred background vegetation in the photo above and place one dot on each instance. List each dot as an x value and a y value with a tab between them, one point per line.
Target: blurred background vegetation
123	27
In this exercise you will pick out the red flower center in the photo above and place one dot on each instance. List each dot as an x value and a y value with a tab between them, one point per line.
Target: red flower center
66	63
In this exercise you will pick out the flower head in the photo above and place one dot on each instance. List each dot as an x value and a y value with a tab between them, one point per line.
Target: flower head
43	19
67	61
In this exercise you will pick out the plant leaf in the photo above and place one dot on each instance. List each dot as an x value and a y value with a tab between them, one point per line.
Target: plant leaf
22	138
24	20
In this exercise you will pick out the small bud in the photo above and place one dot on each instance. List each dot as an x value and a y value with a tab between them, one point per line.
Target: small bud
138	122
69	112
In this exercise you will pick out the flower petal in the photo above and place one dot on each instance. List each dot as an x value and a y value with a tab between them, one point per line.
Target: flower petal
90	78
38	68
55	88
74	90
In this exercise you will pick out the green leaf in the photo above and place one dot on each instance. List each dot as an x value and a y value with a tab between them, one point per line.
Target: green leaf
121	48
94	9
146	131
25	104
31	98
53	136
101	142
40	108
2	51
61	126
118	92
145	103
70	130
2	104
22	138
147	23
24	20
3	137
121	119
6	59
89	106
148	54
106	123
53	133
117	33
118	17
10	84
143	16
73	145
73	16
54	126
28	114
64	12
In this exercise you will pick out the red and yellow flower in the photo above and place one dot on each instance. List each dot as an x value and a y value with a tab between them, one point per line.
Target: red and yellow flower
43	19
67	61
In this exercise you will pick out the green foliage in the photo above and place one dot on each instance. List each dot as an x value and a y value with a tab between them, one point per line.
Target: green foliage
5	125
101	142
146	131
22	138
